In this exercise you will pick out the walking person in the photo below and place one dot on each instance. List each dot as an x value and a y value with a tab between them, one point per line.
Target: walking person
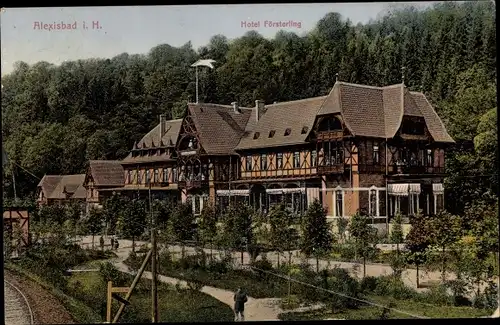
240	298
101	242
112	243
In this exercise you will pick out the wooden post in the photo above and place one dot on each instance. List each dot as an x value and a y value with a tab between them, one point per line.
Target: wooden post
108	309
134	283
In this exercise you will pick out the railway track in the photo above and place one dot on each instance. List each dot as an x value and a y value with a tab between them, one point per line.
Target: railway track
16	306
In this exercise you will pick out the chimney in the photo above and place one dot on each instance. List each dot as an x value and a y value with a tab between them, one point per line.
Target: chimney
259	109
236	108
162	126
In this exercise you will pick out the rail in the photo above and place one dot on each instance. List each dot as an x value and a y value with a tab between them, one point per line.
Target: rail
30	311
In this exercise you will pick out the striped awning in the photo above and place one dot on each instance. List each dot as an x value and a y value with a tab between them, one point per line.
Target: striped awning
245	192
285	190
437	188
403	189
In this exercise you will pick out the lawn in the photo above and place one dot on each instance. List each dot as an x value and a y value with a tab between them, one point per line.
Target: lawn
374	312
175	305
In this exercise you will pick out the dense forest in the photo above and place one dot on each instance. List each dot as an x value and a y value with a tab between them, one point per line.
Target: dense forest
56	118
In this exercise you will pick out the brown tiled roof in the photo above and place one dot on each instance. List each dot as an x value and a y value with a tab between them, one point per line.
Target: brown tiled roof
172	128
219	126
294	115
434	124
71	184
107	172
48	184
378	111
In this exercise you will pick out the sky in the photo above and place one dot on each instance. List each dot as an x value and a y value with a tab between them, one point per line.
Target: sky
31	34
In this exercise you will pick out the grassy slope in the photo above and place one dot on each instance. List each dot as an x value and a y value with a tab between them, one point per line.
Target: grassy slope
374	312
174	306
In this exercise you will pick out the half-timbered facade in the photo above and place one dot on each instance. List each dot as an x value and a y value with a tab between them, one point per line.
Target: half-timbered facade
376	149
101	178
206	158
151	166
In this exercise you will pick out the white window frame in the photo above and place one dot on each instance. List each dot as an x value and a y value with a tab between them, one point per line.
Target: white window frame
335	212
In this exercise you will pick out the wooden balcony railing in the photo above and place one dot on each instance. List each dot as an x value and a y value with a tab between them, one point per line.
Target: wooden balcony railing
190	184
329	135
331	169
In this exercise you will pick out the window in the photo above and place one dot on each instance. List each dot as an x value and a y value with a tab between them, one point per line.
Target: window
256	135
296	159
279	160
263	162
373	202
249	163
334	153
271	133
314	158
304	130
165	175
413	127
148	176
139	176
338	203
175	175
156	176
429	158
330	124
129	177
288	131
376	156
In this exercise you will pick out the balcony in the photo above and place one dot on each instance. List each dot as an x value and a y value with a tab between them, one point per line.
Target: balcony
416	169
329	135
193	183
331	169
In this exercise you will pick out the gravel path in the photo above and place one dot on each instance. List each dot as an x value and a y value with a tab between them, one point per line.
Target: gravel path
16	307
255	309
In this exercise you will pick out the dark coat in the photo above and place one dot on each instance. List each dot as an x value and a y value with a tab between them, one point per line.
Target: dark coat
239	301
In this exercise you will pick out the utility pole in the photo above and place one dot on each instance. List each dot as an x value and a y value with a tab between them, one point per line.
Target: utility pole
154	291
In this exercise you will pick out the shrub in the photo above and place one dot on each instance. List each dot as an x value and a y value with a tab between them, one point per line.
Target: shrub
437	295
218	267
393	286
109	272
368	284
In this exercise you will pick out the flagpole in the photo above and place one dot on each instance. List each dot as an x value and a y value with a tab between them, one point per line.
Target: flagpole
196	84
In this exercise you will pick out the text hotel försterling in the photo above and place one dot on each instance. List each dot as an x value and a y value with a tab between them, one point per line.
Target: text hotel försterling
40	25
271	24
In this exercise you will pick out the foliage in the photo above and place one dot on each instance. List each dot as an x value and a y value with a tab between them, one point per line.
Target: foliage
94	222
282	222
397	230
238	225
133	219
418	239
363	234
182	222
342	226
317	237
446	230
55	118
207	225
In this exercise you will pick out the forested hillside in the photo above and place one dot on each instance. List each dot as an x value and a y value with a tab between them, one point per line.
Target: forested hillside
55	118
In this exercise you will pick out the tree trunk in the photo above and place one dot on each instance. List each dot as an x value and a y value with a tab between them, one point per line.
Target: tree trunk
364	266
93	241
211	248
317	264
418	278
278	259
133	244
444	266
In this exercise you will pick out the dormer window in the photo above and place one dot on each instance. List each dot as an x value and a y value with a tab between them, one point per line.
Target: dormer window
304	130
288	131
271	133
413	127
190	144
256	135
330	124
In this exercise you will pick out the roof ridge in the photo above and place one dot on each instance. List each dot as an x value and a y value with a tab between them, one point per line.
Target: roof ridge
359	85
214	105
297	100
